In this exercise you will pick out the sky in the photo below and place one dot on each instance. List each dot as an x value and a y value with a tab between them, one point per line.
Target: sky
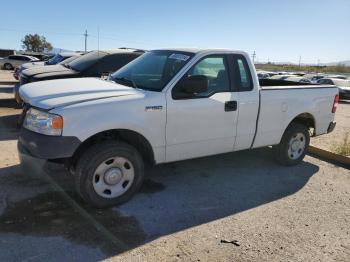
277	30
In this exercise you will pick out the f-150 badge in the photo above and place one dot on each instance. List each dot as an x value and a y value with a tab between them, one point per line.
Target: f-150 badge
153	108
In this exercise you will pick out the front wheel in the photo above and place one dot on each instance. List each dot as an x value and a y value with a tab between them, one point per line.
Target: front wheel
109	173
293	146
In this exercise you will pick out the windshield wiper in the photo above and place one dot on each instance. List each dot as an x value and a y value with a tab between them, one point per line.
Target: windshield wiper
127	81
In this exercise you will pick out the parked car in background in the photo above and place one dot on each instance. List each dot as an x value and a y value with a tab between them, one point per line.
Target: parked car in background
317	77
297	79
40	56
272	73
338	77
343	86
13	61
280	77
52	61
166	106
262	75
92	64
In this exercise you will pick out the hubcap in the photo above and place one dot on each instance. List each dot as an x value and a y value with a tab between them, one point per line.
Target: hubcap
113	177
296	146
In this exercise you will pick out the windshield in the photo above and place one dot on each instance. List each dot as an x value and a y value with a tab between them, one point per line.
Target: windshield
54	60
153	70
87	60
68	60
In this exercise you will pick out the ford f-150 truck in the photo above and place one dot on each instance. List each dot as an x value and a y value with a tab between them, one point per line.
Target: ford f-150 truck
165	106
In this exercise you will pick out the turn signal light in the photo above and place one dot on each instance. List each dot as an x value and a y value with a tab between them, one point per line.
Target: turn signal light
57	122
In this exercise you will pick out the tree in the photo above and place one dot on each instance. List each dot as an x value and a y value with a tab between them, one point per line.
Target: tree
35	43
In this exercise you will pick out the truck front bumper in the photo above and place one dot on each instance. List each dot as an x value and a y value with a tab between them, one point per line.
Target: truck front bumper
48	147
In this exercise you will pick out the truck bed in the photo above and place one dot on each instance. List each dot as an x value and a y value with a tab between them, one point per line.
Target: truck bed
272	84
281	101
277	82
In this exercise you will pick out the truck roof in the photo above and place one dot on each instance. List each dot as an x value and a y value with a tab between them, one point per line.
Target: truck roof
202	50
120	50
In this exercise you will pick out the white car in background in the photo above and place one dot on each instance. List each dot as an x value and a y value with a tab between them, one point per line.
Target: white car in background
280	77
13	61
262	75
52	61
342	84
298	79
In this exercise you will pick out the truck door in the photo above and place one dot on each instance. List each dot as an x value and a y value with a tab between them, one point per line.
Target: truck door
203	123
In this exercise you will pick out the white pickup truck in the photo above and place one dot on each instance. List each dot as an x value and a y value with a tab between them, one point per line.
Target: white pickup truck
165	106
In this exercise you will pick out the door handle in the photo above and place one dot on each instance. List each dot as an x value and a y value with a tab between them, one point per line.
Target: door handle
230	106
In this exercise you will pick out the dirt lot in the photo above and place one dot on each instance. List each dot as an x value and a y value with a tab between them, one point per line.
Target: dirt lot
234	207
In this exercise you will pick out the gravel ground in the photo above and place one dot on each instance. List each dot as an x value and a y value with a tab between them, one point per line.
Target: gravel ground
234	207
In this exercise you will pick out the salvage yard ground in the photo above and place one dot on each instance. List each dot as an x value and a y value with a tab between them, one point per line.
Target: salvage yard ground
234	207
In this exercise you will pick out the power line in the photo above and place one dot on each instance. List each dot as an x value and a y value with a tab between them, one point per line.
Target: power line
39	31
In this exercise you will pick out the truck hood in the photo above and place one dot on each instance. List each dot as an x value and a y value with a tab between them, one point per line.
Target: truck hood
58	93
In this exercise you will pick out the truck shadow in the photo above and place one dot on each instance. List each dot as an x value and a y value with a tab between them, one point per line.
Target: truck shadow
175	197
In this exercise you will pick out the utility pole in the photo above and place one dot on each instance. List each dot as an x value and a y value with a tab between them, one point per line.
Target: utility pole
300	61
98	38
86	35
253	57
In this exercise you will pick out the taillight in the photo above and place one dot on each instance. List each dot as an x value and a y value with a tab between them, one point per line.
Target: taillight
335	103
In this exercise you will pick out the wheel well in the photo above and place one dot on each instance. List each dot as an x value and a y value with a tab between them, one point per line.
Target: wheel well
131	137
305	119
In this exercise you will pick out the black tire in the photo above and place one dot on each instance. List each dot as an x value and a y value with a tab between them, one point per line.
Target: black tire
92	158
8	66
281	151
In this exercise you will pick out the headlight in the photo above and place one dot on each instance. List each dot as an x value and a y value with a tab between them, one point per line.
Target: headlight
43	122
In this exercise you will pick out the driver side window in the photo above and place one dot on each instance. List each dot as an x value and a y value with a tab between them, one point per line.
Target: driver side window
214	68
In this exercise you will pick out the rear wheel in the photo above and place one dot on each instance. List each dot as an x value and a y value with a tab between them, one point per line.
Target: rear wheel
109	173
8	66
294	144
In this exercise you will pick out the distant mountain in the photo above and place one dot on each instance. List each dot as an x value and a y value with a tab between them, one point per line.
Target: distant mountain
346	63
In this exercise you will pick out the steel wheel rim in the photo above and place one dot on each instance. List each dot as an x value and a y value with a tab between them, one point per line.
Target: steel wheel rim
296	146
113	177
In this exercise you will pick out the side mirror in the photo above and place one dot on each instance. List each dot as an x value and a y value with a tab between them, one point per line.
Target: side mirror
193	84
